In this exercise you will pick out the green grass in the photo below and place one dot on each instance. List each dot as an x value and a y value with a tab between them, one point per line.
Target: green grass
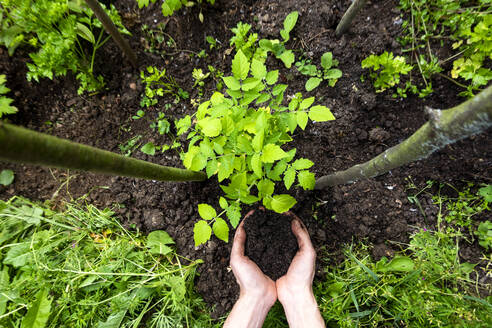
80	268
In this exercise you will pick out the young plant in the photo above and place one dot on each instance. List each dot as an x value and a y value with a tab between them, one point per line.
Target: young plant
484	233
157	83
5	107
199	78
6	177
56	29
170	6
242	143
330	73
386	70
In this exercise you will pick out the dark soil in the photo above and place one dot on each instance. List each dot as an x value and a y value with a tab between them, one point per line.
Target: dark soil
270	242
376	211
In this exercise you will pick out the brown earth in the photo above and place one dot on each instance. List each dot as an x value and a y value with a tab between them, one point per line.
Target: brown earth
376	211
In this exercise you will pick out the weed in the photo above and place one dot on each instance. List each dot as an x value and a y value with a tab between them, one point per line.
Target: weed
429	288
129	147
6	177
170	6
157	83
484	233
5	107
58	29
140	113
329	73
199	78
386	70
81	268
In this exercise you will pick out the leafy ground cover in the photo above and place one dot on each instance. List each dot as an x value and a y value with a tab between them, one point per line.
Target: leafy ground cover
366	123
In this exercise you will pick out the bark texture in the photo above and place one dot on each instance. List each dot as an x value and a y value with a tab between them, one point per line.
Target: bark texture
113	31
349	16
444	127
25	146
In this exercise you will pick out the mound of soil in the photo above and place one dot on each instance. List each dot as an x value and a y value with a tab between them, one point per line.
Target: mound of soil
375	211
270	242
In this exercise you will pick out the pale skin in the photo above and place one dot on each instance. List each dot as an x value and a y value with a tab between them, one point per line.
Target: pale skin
258	292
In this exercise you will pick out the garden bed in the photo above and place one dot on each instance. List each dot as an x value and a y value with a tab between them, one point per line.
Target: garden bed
376	210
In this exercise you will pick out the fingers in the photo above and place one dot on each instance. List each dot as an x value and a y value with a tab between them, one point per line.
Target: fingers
238	244
302	235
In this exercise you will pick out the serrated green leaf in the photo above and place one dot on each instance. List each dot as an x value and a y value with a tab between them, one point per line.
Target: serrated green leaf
320	113
306	179
221	229
302	164
234	214
211	127
272	153
289	177
256	165
250	83
232	83
272	77
258	69
282	203
278	89
265	188
306	103
312	83
302	119
277	170
6	177
287	57
262	98
226	167
240	65
206	211
39	311
201	232
257	142
198	162
223	203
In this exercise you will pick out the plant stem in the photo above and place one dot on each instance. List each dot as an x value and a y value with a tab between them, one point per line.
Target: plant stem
112	30
349	16
443	128
25	146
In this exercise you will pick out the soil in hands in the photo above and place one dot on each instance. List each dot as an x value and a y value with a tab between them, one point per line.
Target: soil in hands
270	242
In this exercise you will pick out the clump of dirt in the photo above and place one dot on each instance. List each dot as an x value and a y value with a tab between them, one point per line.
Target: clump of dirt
270	242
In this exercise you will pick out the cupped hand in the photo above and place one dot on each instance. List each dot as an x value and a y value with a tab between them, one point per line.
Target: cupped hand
252	281
298	280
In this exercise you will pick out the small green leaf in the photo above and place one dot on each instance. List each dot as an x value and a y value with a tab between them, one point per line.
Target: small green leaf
148	148
211	127
206	211
327	60
158	240
223	203
201	232
234	214
6	177
258	69
302	164
221	229
287	57
272	153
306	180
211	168
320	113
282	203
250	83
240	65
399	264
333	74
289	177
272	77
257	142
302	119
312	83
265	188
38	312
306	103
198	163
231	82
290	21
256	165
84	32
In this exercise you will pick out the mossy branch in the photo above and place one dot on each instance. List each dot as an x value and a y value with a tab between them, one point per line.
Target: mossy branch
349	16
25	146
113	31
444	127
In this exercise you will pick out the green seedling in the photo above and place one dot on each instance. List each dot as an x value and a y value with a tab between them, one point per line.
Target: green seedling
139	115
157	83
386	70
329	73
129	147
241	143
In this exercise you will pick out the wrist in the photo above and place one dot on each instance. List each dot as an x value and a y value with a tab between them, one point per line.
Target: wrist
259	299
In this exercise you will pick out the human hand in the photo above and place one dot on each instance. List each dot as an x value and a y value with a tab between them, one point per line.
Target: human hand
294	289
253	283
